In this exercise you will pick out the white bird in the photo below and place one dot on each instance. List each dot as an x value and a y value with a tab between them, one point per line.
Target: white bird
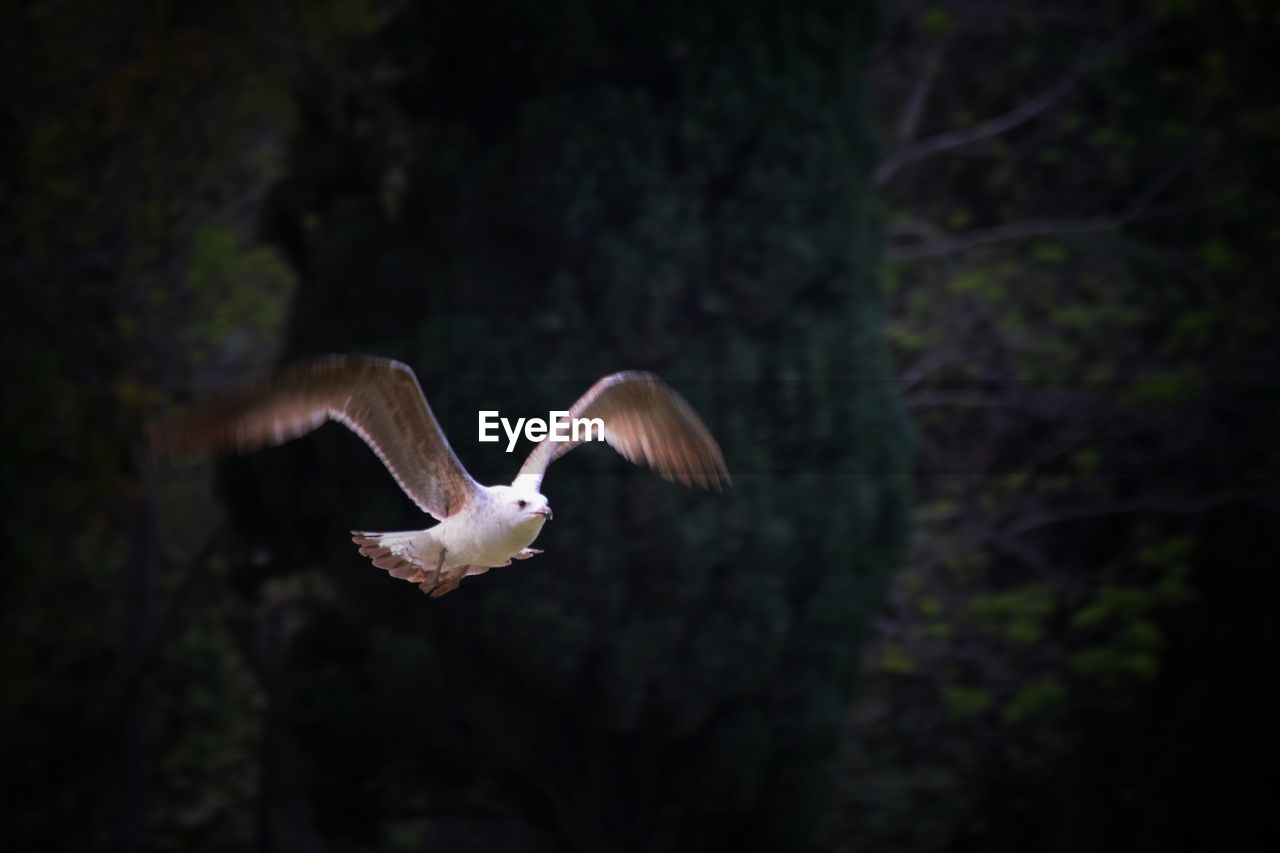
481	527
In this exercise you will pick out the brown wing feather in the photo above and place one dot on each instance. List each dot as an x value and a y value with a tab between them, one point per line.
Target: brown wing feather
378	399
648	423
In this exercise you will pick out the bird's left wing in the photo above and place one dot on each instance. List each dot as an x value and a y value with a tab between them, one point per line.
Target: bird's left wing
647	422
377	398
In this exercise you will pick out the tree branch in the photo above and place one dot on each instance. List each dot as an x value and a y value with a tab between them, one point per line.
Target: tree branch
950	244
920	92
1168	506
1004	234
942	399
1021	114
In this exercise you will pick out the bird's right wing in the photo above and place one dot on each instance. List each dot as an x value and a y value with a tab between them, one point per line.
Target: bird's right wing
377	398
648	423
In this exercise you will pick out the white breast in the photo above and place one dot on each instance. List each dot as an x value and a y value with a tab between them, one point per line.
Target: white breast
482	536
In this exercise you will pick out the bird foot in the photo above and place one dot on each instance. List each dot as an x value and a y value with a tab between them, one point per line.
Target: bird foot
433	580
526	553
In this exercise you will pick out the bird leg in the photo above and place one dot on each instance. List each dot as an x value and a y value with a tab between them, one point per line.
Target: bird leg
428	585
526	553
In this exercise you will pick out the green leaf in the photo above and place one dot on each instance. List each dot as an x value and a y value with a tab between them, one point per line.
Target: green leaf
896	661
1033	699
964	702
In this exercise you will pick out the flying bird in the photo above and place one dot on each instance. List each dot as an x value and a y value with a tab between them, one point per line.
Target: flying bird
480	527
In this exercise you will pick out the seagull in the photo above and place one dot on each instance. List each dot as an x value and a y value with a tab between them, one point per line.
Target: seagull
480	527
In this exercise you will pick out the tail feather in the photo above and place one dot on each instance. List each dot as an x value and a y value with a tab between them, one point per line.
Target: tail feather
392	552
414	557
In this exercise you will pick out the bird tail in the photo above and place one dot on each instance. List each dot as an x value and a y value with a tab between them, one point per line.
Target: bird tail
399	554
414	556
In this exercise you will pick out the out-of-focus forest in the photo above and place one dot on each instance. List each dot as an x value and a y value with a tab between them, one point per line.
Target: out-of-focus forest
1083	243
979	297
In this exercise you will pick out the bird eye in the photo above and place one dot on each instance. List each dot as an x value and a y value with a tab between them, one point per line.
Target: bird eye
522	504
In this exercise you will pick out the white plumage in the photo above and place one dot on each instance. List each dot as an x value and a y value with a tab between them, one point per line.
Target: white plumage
481	527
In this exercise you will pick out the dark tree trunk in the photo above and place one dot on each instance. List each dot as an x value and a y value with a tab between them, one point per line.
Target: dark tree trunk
544	195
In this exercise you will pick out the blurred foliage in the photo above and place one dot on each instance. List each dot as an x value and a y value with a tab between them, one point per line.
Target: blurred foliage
138	140
1082	315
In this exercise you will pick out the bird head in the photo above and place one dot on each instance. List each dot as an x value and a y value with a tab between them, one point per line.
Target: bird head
523	504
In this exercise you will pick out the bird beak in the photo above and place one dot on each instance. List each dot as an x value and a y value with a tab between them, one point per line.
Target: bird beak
545	512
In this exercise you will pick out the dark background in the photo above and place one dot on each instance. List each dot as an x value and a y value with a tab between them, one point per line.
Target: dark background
978	297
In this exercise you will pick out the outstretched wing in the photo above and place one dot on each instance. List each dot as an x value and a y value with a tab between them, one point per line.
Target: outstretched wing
647	422
377	398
